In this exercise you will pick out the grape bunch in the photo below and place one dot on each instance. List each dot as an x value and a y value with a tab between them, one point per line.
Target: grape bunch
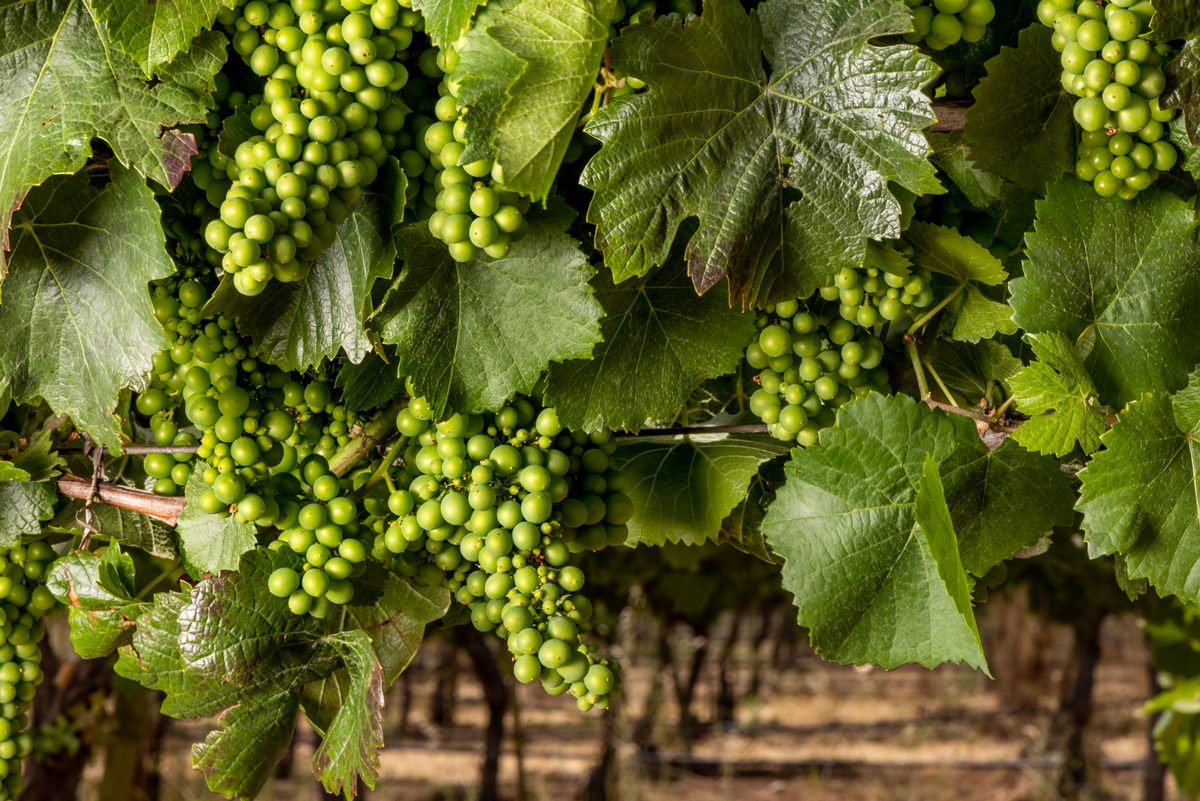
1117	75
810	364
326	118
24	599
943	23
872	296
495	506
472	214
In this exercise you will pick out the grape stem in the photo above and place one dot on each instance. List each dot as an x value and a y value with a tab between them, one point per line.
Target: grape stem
980	417
371	437
159	507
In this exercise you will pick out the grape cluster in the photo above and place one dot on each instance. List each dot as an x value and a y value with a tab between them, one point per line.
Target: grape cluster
326	118
472	211
494	507
24	599
810	364
943	23
1117	75
871	296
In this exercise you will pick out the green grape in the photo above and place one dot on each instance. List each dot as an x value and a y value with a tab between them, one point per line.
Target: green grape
1116	74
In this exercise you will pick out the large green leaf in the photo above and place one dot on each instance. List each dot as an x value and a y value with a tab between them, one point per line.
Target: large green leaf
96	599
298	325
1021	125
1120	278
660	342
473	335
209	543
350	745
972	371
232	623
787	172
395	616
65	85
684	488
76	311
446	20
947	252
980	187
1175	19
370	383
227	647
525	76
154	33
1059	395
876	571
873	565
1005	500
1139	494
24	506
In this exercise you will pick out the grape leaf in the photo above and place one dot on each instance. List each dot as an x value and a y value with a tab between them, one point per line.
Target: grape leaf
96	633
1021	125
76	312
23	507
95	604
872	569
1138	495
209	543
874	565
1175	19
395	617
350	745
369	384
77	579
10	472
65	85
227	646
1097	271
446	20
1005	500
660	342
196	68
1059	395
1183	87
787	173
298	325
238	758
684	488
232	622
472	335
947	252
742	529
980	187
127	527
525	77
154	33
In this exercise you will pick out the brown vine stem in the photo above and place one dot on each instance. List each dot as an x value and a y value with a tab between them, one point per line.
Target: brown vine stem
980	417
159	507
951	116
748	428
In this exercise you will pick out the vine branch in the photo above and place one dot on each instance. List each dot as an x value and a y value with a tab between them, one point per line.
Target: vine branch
951	115
160	507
